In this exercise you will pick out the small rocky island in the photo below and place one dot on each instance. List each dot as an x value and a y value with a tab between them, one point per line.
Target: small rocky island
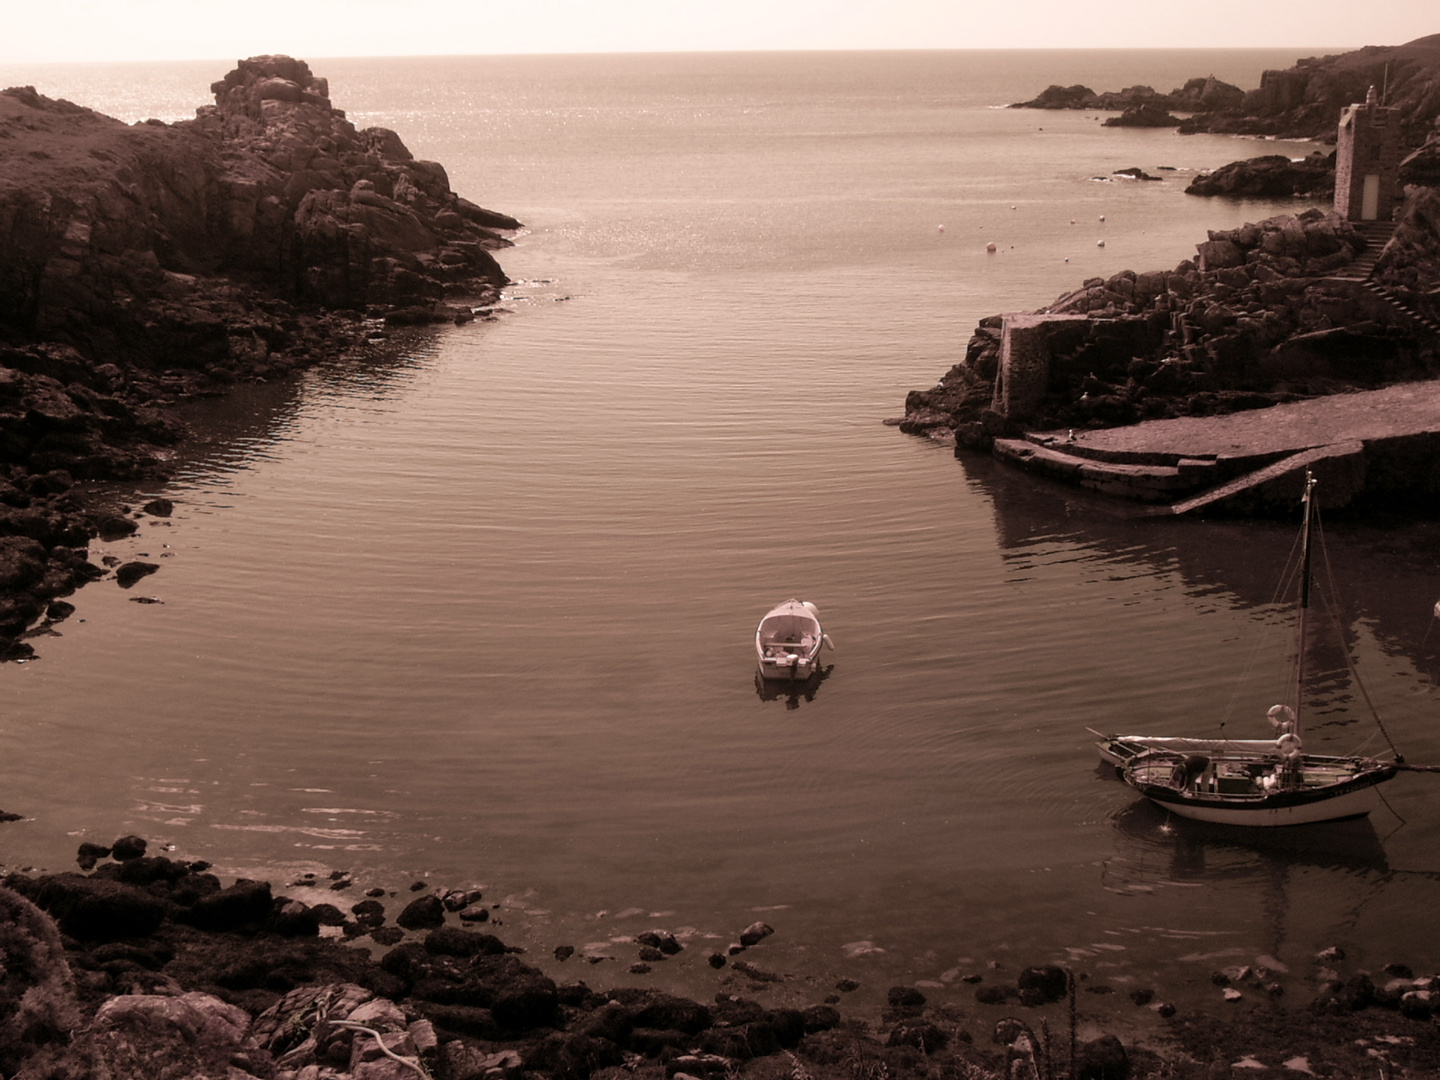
1285	310
145	264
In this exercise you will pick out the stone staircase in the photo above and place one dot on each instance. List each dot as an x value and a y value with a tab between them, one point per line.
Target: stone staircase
1424	322
1360	269
1377	234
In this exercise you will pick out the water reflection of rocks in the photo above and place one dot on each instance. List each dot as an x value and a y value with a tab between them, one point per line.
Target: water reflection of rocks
1387	569
792	693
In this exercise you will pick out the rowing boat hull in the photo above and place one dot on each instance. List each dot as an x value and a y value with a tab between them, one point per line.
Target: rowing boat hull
788	641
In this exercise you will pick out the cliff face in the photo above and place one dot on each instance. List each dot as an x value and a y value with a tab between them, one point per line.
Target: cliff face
144	263
1303	101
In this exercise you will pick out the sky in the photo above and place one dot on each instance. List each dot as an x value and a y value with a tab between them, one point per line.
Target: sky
94	30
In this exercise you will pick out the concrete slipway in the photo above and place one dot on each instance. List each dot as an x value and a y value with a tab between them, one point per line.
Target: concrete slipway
1379	444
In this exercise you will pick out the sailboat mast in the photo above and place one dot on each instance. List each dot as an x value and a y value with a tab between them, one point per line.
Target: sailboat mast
1308	501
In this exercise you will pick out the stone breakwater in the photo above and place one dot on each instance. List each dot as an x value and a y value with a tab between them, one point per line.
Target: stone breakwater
144	264
144	965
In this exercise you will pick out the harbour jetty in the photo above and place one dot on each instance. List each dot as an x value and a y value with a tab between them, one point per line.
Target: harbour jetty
1303	340
145	264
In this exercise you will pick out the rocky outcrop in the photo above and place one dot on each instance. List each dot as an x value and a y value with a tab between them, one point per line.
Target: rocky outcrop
142	264
1262	315
116	234
1273	176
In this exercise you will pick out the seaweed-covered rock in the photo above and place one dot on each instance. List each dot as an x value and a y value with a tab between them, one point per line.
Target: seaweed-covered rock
37	997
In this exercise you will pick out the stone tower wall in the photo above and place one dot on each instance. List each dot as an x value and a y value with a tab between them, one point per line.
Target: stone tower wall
1368	144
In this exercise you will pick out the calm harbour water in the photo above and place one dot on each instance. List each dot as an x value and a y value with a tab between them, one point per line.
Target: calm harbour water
481	612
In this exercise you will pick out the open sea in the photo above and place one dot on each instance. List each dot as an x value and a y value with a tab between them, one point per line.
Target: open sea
480	612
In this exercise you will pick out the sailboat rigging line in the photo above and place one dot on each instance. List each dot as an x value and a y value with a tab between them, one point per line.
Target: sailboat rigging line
1331	608
1392	809
1305	531
1262	643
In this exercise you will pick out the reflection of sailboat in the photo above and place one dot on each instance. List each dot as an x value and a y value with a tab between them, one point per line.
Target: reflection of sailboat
1246	869
1202	849
1256	783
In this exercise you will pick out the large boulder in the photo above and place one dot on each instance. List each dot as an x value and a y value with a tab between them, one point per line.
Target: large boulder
243	906
1059	97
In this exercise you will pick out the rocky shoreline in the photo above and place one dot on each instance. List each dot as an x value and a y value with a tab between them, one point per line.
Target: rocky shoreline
142	964
145	265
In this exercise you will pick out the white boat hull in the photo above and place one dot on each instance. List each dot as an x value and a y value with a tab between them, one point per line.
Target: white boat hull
788	642
781	670
1353	804
1231	791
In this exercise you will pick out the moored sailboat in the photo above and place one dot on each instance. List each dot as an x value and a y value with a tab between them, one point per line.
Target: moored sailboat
1256	782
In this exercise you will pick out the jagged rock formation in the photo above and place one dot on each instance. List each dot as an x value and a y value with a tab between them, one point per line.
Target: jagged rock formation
1266	313
144	263
116	233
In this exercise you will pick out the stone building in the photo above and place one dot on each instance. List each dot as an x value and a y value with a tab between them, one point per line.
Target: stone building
1367	161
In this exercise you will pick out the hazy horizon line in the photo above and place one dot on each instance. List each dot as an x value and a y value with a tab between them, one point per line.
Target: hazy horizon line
693	52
